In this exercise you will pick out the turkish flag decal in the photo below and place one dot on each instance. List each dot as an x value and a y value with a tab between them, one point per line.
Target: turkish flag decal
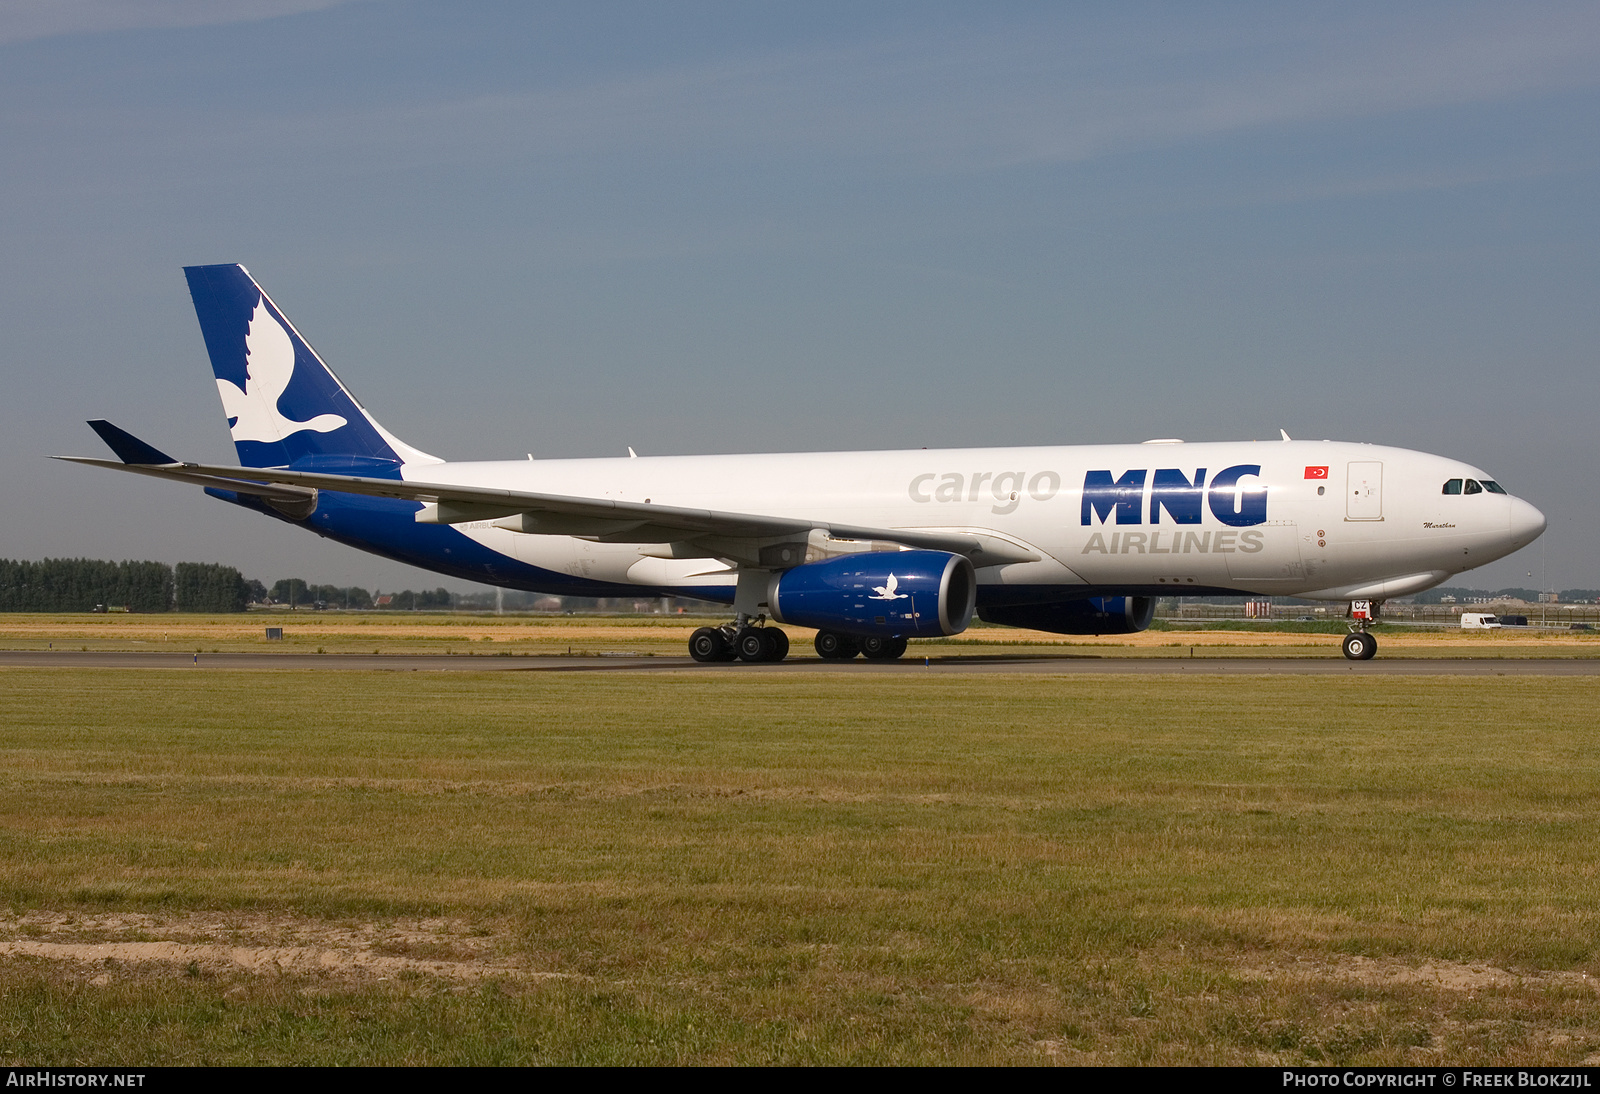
1316	472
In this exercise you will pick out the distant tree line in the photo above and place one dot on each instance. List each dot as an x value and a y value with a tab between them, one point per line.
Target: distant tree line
407	600
87	584
80	584
209	587
300	594
90	584
294	592
515	600
1436	596
1432	596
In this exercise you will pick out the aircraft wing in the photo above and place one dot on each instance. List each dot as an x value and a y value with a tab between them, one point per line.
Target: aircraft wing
604	519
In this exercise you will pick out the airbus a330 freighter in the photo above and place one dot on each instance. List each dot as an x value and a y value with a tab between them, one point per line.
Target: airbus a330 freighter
869	548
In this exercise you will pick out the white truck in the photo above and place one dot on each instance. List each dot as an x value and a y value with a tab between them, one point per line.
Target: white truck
1478	621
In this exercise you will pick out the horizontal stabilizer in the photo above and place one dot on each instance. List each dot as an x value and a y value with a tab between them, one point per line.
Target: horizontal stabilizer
177	472
129	449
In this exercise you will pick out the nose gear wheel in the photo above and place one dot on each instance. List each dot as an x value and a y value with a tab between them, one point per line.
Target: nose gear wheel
1360	646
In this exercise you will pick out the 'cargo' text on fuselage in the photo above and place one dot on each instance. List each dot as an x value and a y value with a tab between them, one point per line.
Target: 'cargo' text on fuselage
1120	499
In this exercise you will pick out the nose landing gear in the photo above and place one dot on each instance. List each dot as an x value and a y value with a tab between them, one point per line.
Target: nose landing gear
1358	644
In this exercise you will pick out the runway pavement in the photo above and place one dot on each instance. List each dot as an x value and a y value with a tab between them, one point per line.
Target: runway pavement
1333	664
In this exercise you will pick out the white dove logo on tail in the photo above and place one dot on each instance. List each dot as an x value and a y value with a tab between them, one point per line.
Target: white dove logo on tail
269	366
887	592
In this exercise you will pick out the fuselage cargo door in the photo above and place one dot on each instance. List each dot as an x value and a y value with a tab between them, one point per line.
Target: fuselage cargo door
1363	496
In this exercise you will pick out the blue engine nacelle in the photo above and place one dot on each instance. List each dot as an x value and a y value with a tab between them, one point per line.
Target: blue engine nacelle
1096	615
892	594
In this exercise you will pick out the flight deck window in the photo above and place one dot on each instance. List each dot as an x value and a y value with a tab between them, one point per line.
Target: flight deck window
1473	487
1453	486
1493	487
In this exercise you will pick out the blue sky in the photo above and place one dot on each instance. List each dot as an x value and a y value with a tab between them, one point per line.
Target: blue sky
699	227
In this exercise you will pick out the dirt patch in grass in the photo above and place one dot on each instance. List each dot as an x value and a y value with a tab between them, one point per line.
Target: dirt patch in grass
123	944
1447	975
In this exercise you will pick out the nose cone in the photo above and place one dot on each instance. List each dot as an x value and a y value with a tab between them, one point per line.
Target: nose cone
1527	523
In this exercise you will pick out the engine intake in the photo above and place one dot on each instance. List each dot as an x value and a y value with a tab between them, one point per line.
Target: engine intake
894	594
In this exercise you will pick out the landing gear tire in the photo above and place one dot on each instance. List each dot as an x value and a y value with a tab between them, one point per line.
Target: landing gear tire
757	644
883	649
749	644
836	647
707	644
1360	646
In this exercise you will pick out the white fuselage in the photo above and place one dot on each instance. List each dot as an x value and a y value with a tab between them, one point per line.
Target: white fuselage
1319	519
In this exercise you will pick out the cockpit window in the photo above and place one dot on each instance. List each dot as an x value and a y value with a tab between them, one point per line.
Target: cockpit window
1453	486
1473	487
1493	487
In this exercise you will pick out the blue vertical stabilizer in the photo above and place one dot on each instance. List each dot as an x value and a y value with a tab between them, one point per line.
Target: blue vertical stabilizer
284	406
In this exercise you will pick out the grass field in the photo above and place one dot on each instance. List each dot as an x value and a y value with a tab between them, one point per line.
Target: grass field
638	868
513	635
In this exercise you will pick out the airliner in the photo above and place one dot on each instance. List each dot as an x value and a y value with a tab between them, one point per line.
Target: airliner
870	549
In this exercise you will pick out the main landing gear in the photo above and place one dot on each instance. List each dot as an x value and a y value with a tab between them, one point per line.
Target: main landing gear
752	641
832	646
745	641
